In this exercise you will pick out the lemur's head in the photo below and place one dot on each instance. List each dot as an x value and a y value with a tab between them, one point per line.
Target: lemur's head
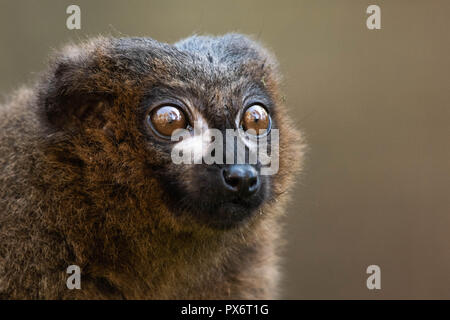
114	106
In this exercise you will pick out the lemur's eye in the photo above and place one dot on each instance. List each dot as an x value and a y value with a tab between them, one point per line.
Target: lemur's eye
166	119
256	118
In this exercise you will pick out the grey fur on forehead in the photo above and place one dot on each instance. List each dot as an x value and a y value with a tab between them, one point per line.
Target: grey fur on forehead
227	49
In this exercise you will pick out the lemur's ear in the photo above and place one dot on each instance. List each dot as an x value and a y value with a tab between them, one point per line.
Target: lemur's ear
73	92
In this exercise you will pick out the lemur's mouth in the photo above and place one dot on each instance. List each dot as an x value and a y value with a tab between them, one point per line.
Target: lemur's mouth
232	214
218	196
239	194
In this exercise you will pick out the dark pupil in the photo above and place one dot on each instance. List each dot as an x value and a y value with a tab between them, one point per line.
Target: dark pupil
171	117
256	115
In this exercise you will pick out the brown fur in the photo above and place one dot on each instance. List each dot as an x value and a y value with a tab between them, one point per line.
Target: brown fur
78	184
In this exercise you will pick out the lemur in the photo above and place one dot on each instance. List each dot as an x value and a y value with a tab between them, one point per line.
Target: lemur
86	176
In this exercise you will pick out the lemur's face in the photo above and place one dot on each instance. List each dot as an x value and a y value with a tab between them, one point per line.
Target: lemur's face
153	91
211	87
220	193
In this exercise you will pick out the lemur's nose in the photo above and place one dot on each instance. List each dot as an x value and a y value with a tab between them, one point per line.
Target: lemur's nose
241	178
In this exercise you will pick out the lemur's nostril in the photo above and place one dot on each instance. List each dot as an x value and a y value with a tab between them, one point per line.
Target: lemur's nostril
242	179
232	181
253	181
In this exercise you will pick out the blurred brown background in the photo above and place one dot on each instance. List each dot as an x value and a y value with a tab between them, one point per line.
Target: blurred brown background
374	106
